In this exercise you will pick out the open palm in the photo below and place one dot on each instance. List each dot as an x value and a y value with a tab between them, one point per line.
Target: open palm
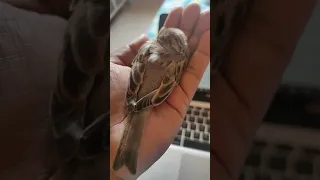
165	120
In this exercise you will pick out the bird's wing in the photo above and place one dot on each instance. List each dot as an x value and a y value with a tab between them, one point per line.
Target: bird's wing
179	70
159	95
136	75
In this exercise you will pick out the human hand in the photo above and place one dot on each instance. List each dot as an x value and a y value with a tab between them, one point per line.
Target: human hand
164	120
249	75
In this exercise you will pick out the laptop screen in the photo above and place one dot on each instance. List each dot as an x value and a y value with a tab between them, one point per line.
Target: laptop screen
205	81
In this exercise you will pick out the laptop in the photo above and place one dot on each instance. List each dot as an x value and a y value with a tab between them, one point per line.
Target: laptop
188	158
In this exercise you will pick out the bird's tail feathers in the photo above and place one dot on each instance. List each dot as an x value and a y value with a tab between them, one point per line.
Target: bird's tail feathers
127	153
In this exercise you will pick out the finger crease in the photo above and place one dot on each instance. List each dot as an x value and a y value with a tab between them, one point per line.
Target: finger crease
175	109
241	99
132	50
192	71
221	161
248	115
203	53
185	93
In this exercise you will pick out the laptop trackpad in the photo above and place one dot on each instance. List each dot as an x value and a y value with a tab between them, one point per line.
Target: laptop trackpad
194	167
179	163
167	167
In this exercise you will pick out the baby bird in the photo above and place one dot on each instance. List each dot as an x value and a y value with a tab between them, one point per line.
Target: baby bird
156	70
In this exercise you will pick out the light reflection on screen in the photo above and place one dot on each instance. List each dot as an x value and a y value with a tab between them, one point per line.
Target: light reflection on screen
304	68
205	81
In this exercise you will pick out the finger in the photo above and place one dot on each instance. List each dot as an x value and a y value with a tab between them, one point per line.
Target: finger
189	18
262	49
203	25
174	17
125	55
183	94
198	64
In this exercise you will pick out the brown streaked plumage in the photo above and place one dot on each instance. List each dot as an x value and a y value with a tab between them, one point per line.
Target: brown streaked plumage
156	70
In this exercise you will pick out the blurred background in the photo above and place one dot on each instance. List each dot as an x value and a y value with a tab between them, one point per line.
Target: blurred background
130	20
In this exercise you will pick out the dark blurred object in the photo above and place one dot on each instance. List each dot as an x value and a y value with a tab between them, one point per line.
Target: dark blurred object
30	44
53	7
162	20
29	47
77	115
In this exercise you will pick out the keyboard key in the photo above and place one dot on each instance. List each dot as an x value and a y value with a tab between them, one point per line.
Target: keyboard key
278	163
196	135
304	167
262	177
184	125
201	127
312	152
253	160
196	145
259	145
205	113
206	137
200	120
193	126
189	111
176	141
196	113
180	132
188	134
208	121
191	119
284	147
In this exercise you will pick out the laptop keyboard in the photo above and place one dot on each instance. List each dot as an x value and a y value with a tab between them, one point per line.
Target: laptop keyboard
271	161
195	130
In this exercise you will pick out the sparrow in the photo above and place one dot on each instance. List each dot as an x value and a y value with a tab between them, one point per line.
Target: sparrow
156	70
75	133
